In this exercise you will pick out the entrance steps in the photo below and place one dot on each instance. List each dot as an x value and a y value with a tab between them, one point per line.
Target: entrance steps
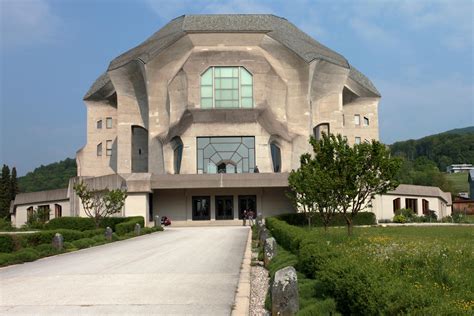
232	222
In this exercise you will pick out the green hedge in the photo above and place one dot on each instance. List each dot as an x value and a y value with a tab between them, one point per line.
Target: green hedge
129	225
299	219
76	223
7	243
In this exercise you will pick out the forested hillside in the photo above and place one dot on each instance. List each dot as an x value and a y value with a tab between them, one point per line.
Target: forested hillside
52	176
451	147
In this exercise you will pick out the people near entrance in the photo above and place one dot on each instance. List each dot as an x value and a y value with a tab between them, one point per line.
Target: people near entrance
250	215
165	221
244	217
255	170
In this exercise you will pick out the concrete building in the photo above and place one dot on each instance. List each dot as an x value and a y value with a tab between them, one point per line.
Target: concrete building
420	199
456	168
207	117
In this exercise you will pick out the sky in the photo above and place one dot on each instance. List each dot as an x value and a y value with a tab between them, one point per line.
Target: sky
419	55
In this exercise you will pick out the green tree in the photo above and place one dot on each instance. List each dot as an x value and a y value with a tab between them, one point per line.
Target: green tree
5	192
13	184
100	204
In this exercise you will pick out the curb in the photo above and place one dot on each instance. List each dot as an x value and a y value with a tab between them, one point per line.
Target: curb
242	295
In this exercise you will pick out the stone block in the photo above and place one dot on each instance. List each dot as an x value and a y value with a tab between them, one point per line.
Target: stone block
262	236
108	233
58	241
157	221
137	229
269	250
285	298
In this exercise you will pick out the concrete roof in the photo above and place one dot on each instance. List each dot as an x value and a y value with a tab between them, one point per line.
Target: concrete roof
42	196
421	190
275	27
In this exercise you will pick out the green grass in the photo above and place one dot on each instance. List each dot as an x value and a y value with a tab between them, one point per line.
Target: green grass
458	181
385	270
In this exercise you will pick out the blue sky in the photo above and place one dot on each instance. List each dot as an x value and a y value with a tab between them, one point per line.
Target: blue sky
419	54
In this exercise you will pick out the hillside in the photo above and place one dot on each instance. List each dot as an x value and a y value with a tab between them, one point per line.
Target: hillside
49	177
444	149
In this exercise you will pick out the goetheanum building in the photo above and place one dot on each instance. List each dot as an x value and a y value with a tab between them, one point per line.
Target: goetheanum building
207	117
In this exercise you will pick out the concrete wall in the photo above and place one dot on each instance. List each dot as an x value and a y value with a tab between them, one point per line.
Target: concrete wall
290	96
177	204
21	217
137	204
382	206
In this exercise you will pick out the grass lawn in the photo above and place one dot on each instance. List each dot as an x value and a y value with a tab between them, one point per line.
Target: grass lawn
387	270
458	181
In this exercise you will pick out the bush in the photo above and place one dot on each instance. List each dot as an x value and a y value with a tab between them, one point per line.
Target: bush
6	243
399	219
76	223
46	236
5	225
26	255
299	219
112	222
83	243
94	232
45	250
129	225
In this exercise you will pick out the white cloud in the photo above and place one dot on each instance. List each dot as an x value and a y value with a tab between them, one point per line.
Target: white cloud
373	33
27	22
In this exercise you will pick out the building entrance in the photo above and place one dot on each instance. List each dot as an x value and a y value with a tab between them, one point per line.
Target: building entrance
224	207
201	208
246	203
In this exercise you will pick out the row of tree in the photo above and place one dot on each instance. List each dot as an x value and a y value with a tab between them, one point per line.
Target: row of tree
8	190
49	177
339	178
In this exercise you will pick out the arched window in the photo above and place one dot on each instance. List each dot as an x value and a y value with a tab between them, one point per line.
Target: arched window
321	129
396	205
276	157
226	87
177	145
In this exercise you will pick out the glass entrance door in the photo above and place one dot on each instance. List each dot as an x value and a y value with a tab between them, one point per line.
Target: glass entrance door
201	208
246	203
224	207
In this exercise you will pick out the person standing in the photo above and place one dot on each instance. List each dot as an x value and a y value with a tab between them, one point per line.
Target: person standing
244	217
251	217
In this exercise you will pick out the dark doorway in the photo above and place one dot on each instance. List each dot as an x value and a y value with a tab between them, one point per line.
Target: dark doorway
247	202
225	207
201	208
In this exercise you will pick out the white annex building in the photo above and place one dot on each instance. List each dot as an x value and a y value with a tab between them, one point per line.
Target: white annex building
208	116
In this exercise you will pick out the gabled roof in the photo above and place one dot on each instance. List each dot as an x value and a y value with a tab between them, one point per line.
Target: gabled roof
41	196
275	27
421	190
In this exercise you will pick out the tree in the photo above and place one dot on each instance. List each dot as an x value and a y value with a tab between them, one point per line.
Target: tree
5	192
312	185
13	184
361	172
100	204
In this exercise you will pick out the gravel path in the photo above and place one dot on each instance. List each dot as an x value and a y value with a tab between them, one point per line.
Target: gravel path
258	288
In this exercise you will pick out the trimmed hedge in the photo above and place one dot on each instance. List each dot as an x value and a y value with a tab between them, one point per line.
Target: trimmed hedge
299	219
7	243
76	223
129	226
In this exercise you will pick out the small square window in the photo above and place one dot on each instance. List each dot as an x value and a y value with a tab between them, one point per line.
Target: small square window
109	122
357	119
357	140
366	121
109	148
99	124
99	150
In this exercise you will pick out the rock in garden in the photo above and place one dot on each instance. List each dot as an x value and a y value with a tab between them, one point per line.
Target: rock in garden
58	241
269	250
157	221
285	299
108	233
263	235
137	229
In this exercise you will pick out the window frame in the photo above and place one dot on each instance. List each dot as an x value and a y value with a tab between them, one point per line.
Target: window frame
107	120
357	119
99	124
239	88
99	150
357	140
108	151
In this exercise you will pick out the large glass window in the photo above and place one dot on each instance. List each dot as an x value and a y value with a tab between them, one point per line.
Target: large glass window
201	208
276	157
226	87
225	154
177	153
225	207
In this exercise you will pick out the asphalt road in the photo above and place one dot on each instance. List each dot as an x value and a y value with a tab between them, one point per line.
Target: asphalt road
193	270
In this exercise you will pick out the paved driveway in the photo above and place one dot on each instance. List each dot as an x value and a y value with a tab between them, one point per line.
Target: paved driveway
179	271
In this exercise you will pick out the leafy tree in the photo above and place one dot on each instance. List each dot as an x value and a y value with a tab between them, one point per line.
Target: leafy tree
311	186
13	184
341	178
422	171
100	204
5	192
49	177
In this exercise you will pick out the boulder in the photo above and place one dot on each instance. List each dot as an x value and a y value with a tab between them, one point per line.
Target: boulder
285	298
269	250
262	236
58	241
137	229
108	233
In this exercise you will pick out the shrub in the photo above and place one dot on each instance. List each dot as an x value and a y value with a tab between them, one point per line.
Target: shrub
45	250
26	255
83	243
94	232
129	225
76	223
6	259
5	225
113	221
46	236
299	219
399	219
6	243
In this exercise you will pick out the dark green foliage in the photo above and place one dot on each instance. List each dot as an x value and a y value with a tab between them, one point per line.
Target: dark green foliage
76	223
6	243
94	232
113	221
5	225
46	250
129	226
83	243
299	219
46	236
49	177
443	149
5	192
423	171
